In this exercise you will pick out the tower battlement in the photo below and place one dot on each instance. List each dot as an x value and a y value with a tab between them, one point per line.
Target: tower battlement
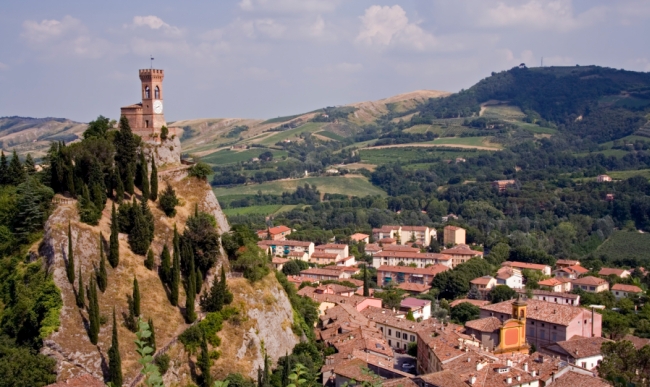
148	75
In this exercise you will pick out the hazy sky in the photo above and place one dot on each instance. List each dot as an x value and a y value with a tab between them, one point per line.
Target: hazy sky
265	58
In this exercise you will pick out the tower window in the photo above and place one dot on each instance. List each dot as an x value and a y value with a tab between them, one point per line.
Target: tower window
147	92
146	123
157	92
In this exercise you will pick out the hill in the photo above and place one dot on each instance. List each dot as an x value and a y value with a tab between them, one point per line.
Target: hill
34	135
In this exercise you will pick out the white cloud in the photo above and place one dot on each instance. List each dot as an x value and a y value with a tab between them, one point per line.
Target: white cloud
156	23
541	14
289	6
383	26
269	27
47	30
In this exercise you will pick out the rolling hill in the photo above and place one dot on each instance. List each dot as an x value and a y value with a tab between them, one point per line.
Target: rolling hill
34	135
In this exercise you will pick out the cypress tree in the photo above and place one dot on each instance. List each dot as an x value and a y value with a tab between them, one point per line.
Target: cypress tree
125	153
114	360
140	235
366	291
70	265
30	166
81	298
4	169
114	246
227	295
204	363
128	180
16	172
152	338
149	262
93	311
144	177
102	276
199	281
190	314
286	370
175	280
119	187
154	180
136	297
165	266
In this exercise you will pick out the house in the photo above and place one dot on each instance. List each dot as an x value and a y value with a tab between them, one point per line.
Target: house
548	296
624	291
585	352
575	378
555	285
461	254
324	274
453	235
278	263
548	323
358	237
603	178
335	289
407	249
571	272
421	309
286	247
421	260
487	330
501	185
279	233
347	261
262	234
561	263
484	284
414	288
448	217
510	277
591	284
352	371
620	273
372	248
387	241
300	255
297	280
400	274
419	235
544	269
397	330
322	258
333	248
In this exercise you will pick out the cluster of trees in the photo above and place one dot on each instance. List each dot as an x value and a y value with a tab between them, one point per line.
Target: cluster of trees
307	194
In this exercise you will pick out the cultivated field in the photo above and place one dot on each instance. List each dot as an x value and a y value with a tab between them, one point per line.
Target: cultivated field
625	245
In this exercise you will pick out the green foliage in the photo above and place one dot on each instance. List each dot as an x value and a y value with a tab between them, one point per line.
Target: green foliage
114	359
93	312
141	233
202	236
21	366
252	262
164	132
501	293
136	297
204	363
15	172
238	380
200	170
149	262
154	180
152	374
391	297
175	280
88	211
455	283
143	177
69	264
624	365
218	296
190	314
412	349
464	312
102	275
80	298
168	201
98	128
151	341
498	254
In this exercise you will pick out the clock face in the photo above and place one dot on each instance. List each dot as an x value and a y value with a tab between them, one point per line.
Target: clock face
157	107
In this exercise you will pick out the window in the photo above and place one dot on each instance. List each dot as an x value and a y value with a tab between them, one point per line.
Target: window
553	336
381	329
397	334
412	338
147	92
404	336
404	345
390	332
157	95
542	334
146	123
390	342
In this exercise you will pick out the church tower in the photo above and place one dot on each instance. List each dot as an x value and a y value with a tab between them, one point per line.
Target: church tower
512	335
146	118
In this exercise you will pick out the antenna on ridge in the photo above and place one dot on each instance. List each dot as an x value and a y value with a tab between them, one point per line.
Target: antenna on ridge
151	56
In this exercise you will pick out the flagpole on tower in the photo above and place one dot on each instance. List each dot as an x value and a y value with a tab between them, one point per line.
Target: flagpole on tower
151	56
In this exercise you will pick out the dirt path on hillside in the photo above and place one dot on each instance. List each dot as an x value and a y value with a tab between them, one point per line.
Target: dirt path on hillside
419	145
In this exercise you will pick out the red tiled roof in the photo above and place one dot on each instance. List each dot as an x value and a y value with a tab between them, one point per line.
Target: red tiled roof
482	280
575	379
411	302
609	271
413	287
294	253
278	230
284	243
323	271
372	247
590	280
582	347
637	341
278	260
453	228
358	237
401	248
331	246
627	288
319	254
569	262
524	265
462	250
559	314
550	282
406	254
487	324
387	240
446	378
431	270
578	269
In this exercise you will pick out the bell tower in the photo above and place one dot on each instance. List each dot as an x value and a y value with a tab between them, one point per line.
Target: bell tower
152	100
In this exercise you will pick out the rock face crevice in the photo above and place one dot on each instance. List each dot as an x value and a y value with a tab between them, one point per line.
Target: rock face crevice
168	152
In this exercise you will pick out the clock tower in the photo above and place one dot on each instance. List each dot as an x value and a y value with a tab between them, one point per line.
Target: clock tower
147	117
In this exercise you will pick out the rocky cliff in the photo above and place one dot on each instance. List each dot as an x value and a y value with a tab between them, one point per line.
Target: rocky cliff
267	325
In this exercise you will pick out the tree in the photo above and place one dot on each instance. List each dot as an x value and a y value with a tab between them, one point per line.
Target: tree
199	281
102	276
80	297
136	297
4	169
69	268
624	365
201	233
464	312
114	359
154	180
297	376
391	297
119	187
190	314
501	293
30	165
165	266
143	177
200	170
164	132
149	262
175	280
16	173
22	366
291	268
93	312
218	296
140	235
125	155
168	201
88	211
474	293
205	363
114	244
498	254
98	128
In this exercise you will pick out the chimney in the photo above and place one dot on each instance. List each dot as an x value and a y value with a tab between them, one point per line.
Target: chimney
509	379
526	367
509	363
472	380
518	378
534	373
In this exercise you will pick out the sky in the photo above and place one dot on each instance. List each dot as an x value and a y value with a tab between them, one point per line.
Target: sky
269	58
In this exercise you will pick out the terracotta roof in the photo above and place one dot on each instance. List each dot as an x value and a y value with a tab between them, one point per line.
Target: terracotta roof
487	324
482	280
401	248
387	240
559	314
637	341
294	253
336	288
413	287
578	269
297	279
319	254
569	262
323	271
79	381
550	282
278	260
581	347
461	250
575	379
406	254
387	317
385	229
372	247
627	288
605	271
331	246
446	378
431	270
359	237
284	243
506	272
525	265
134	106
278	229
401	382
411	302
590	280
478	303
